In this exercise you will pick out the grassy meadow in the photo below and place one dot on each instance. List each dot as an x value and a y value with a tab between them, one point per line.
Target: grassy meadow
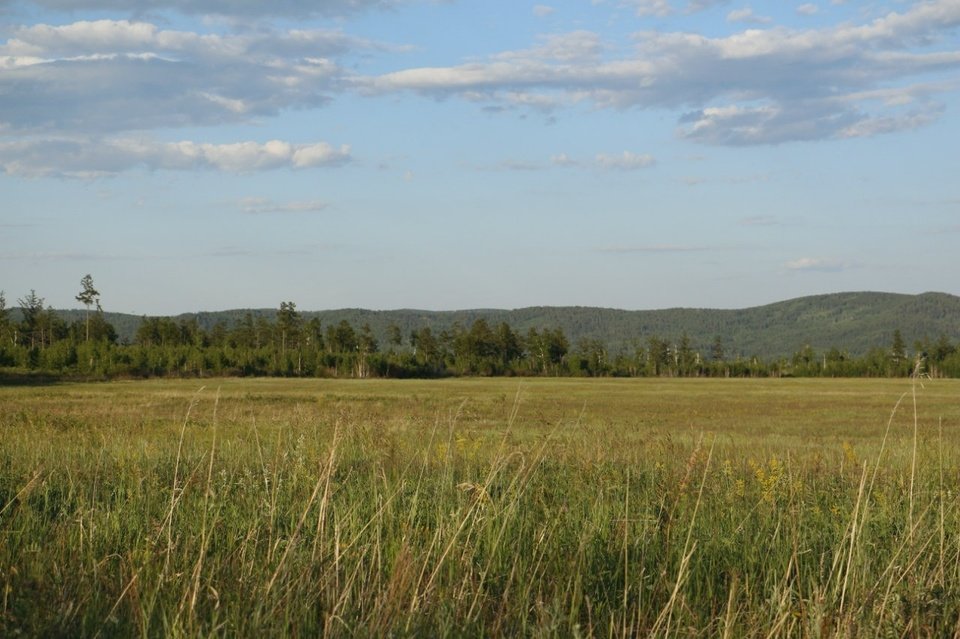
481	507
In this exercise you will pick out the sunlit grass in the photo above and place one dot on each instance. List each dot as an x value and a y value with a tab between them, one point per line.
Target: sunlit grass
480	508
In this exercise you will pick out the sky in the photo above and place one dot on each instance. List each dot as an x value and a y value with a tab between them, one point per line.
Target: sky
216	154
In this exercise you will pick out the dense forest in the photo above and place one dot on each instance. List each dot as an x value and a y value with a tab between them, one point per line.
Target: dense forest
853	322
37	338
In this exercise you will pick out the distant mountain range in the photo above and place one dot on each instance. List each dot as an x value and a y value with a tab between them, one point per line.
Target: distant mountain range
852	322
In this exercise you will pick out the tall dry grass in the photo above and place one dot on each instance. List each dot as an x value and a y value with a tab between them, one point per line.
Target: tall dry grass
148	510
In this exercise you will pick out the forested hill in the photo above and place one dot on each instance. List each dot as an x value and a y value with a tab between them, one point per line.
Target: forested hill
852	322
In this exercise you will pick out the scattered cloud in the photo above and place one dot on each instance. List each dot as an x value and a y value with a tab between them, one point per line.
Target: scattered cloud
803	120
652	7
571	47
662	8
275	8
818	264
696	6
747	15
147	77
265	206
913	119
808	9
542	10
758	86
88	158
626	161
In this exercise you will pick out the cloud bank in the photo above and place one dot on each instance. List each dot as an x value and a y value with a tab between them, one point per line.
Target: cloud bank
79	97
758	86
97	158
235	8
107	76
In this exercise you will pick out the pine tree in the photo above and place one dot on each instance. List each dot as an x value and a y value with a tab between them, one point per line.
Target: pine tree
31	308
288	321
88	296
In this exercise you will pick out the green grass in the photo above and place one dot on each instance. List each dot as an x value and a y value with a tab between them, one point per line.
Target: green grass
740	508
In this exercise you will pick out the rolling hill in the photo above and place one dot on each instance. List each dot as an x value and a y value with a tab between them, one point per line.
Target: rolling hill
852	322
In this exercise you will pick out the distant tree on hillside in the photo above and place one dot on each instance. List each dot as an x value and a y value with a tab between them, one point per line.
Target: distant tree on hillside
898	352
394	335
686	358
31	309
313	334
548	348
717	351
88	296
288	323
342	338
659	353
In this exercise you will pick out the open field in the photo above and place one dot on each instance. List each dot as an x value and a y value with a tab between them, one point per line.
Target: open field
469	507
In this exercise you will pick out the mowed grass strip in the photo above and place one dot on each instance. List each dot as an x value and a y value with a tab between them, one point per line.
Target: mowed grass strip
473	507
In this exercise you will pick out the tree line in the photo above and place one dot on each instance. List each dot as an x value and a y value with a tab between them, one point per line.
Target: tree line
289	345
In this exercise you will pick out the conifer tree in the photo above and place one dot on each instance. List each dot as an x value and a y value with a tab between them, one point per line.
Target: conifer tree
88	296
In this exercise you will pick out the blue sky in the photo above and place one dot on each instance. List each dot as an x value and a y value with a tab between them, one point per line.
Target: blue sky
214	154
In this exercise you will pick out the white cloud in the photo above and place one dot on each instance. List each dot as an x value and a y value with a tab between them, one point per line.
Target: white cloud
571	47
652	7
626	161
808	9
542	10
768	124
265	206
869	127
821	264
117	37
238	8
747	15
87	158
696	6
146	77
662	8
758	86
